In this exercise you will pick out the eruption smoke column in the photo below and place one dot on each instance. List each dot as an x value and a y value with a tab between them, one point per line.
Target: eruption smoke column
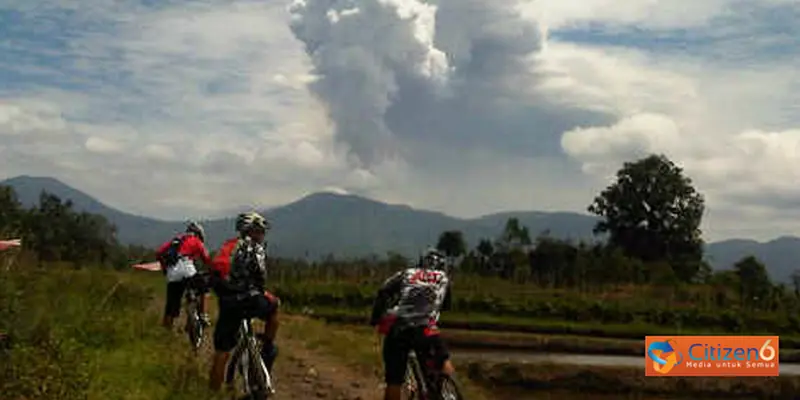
434	76
358	48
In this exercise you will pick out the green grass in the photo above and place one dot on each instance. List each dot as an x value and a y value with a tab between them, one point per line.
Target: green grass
91	334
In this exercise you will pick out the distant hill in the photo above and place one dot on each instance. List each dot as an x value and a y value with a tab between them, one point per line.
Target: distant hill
350	226
781	255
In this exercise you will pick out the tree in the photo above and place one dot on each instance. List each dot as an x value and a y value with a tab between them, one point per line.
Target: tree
452	243
485	248
653	213
10	212
754	284
796	282
515	235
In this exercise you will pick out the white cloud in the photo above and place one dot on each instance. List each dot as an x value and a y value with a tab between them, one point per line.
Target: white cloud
459	105
104	146
702	118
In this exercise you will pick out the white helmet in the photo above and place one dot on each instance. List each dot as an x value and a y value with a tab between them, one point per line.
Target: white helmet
197	229
249	221
434	259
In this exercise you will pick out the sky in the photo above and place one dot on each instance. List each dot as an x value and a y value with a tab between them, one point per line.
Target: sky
178	109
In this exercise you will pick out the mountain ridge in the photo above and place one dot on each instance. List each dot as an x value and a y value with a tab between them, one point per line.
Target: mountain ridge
349	225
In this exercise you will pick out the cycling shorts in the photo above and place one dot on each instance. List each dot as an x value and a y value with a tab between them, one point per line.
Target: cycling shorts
233	309
175	291
429	347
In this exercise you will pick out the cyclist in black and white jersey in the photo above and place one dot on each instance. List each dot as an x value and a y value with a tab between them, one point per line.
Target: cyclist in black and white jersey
407	311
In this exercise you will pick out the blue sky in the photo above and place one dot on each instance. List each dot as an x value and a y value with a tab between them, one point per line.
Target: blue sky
185	109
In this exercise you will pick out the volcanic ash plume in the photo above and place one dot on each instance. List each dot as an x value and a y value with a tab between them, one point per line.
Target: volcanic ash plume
407	57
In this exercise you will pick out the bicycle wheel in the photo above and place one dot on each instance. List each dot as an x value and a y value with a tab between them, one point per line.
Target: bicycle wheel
414	386
194	327
259	381
233	363
449	388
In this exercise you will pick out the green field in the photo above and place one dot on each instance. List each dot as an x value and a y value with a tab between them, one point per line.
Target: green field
491	304
90	333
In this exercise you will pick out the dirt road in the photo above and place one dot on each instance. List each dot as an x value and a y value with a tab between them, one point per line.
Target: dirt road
306	374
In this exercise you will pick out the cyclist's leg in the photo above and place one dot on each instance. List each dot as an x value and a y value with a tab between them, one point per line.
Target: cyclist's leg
225	337
201	284
396	346
440	354
433	354
172	307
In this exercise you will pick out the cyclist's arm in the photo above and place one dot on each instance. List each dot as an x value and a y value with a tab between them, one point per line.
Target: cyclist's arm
160	253
386	292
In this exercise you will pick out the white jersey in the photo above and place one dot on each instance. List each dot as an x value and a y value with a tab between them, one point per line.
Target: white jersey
421	293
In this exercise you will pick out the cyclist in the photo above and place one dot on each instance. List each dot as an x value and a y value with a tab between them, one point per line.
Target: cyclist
177	257
239	275
421	293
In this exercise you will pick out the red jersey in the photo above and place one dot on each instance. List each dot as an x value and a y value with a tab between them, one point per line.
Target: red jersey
191	247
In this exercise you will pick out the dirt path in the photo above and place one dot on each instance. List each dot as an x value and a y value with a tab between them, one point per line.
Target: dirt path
306	374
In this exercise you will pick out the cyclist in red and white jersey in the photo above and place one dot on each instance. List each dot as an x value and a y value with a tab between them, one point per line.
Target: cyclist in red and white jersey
421	293
177	257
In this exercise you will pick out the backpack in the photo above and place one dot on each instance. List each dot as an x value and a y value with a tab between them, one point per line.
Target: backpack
171	255
221	264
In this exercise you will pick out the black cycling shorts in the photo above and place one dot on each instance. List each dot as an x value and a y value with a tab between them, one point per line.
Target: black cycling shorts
430	350
233	310
175	291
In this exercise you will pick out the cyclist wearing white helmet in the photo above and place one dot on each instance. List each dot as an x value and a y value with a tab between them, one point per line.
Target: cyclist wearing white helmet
421	293
239	276
177	257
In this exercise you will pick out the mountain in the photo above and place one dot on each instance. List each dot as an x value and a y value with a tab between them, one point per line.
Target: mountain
348	225
321	223
780	255
131	228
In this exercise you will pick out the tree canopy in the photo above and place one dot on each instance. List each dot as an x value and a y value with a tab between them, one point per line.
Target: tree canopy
652	212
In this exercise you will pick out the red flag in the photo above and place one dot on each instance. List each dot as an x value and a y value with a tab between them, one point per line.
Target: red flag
153	266
7	244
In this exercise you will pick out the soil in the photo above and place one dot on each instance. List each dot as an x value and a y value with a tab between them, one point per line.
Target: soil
305	374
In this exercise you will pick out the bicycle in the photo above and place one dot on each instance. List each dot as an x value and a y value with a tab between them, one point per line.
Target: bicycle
425	383
256	381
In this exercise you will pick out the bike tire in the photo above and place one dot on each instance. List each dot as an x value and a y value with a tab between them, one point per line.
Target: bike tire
194	328
449	388
416	386
258	390
230	372
410	386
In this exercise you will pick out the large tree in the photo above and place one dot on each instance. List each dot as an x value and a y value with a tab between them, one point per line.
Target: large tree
452	243
653	213
755	286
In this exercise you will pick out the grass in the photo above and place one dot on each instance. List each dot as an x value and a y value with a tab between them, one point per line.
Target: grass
91	334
